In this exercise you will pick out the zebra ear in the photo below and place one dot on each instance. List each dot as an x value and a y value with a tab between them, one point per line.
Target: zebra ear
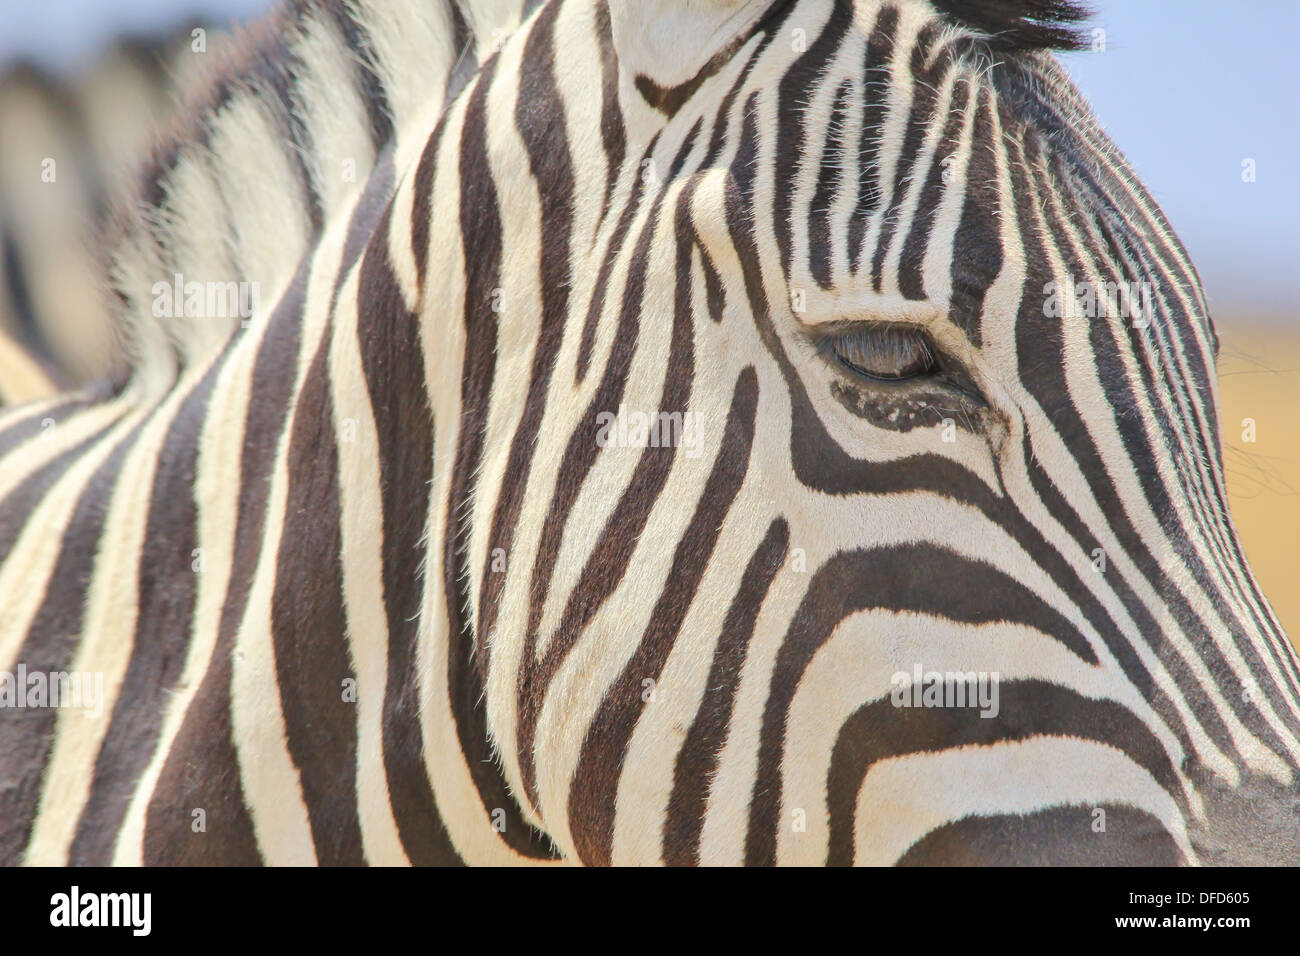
663	45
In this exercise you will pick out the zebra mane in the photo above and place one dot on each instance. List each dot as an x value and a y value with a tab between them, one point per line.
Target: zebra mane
1020	26
84	126
150	58
278	138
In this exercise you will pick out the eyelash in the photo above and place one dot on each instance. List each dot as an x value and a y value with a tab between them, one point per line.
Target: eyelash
890	354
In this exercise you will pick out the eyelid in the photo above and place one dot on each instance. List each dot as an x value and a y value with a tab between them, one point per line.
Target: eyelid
827	334
948	371
827	313
885	352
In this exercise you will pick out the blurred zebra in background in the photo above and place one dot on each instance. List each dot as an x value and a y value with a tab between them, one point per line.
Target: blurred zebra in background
70	148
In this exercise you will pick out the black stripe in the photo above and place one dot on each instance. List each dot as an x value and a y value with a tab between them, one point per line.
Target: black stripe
20	424
1059	836
875	79
792	147
392	357
19	506
1040	345
422	203
670	100
1123	651
309	629
613	131
697	760
898	579
1163	373
594	791
539	118
481	235
821	253
27	736
925	84
167	588
977	246
879	731
206	735
598	298
911	263
607	561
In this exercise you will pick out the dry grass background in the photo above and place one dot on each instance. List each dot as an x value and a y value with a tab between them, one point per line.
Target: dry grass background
1259	378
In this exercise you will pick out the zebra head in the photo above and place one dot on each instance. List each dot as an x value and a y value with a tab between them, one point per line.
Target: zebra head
859	371
708	431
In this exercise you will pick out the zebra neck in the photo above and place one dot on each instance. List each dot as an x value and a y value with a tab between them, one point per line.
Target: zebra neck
282	140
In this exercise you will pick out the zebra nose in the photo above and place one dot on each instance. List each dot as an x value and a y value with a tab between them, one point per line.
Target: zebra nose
1255	822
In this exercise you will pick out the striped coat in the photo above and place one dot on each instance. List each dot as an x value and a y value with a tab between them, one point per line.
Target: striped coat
652	415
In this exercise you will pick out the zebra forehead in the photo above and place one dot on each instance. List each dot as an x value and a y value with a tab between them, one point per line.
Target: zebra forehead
990	59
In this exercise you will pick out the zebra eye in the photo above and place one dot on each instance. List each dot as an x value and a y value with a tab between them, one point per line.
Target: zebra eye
886	353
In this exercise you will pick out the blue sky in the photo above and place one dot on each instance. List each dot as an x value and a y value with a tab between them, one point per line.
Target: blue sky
1188	89
62	32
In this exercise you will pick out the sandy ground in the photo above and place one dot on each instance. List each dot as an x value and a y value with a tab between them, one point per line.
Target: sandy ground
1259	379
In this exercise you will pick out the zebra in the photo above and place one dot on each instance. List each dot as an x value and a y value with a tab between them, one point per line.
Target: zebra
68	146
392	572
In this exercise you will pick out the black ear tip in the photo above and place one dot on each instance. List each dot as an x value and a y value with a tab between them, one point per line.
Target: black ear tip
1021	26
